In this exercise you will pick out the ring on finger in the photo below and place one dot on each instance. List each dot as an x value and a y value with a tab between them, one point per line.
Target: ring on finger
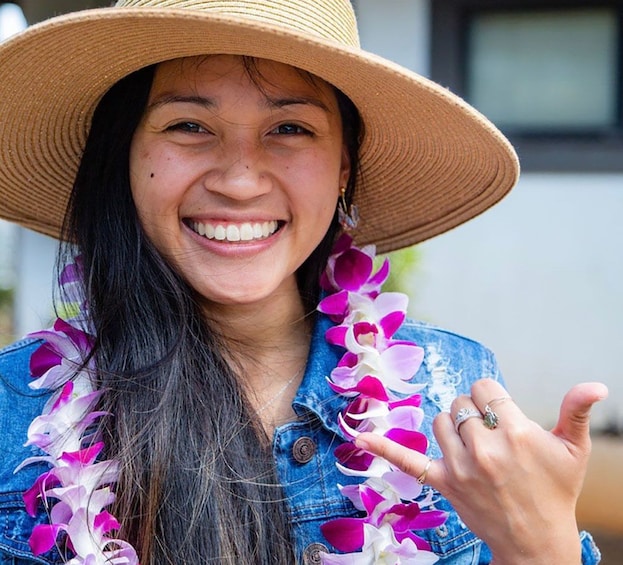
422	477
498	400
491	419
463	415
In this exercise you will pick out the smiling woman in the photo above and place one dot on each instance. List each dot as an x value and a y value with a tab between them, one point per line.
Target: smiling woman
227	382
225	149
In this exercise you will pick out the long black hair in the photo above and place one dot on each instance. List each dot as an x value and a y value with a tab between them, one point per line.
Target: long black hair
196	485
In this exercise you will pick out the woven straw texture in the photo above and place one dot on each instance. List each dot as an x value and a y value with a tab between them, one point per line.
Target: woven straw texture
429	161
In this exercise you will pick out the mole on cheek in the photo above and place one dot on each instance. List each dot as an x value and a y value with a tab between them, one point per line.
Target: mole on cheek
151	175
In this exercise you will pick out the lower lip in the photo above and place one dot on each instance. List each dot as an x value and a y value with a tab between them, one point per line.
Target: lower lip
235	248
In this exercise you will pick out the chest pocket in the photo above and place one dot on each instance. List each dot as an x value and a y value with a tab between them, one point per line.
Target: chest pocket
15	529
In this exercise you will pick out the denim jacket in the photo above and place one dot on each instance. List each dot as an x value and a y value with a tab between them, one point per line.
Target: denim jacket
303	449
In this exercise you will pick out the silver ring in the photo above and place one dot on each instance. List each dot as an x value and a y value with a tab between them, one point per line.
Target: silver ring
491	419
463	415
491	403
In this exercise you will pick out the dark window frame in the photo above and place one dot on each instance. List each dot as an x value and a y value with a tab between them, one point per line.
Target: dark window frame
585	151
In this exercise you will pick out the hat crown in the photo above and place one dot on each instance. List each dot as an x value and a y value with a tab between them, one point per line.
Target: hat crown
333	20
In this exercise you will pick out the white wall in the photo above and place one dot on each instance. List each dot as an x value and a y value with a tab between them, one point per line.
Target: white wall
406	36
34	264
538	278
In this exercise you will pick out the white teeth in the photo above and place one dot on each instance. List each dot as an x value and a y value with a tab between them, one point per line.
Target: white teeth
220	233
246	232
231	232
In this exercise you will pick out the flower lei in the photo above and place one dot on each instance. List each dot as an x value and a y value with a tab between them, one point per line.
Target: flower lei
373	374
81	485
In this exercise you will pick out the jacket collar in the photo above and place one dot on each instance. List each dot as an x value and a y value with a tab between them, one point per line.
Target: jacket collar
314	395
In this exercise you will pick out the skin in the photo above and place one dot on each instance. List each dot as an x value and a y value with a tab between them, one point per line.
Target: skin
216	147
512	484
220	148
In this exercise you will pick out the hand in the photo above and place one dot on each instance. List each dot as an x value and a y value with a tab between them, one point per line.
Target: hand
515	486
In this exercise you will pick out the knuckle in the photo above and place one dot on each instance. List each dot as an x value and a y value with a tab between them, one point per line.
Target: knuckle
488	461
482	385
461	475
521	435
459	401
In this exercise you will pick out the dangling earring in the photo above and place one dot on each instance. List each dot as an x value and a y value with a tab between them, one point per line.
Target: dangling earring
348	216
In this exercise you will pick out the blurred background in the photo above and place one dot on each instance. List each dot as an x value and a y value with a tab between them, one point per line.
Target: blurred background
539	277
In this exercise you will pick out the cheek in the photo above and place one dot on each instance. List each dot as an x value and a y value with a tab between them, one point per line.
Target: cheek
152	182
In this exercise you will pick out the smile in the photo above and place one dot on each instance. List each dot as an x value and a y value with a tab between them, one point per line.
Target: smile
235	232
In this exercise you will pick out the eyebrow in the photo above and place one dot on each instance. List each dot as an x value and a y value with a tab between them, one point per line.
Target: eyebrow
203	101
211	103
295	100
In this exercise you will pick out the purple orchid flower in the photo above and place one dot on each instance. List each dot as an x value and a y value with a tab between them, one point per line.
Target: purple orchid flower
375	373
80	484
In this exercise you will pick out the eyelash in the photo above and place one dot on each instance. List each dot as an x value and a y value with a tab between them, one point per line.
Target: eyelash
188	127
299	130
195	128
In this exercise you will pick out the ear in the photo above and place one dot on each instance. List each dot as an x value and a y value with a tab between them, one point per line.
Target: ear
344	168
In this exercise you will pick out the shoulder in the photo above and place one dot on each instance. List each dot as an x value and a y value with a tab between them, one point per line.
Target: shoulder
442	346
19	405
14	363
15	377
446	349
451	362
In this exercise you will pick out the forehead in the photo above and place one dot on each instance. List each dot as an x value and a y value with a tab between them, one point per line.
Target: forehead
263	75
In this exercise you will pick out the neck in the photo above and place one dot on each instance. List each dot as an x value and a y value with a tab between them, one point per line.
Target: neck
267	344
277	322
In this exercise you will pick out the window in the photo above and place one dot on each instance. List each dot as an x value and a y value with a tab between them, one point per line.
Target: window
548	73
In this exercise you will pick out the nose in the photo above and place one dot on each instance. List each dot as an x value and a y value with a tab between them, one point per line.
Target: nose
242	173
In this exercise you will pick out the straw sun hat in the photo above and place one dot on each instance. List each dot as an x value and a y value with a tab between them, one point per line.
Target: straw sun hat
429	161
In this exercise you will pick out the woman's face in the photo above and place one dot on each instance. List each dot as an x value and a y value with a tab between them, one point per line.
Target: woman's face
236	179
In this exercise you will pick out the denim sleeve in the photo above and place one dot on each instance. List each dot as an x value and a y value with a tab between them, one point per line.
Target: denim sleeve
590	551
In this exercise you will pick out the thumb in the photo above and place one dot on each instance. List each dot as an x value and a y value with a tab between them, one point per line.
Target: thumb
574	419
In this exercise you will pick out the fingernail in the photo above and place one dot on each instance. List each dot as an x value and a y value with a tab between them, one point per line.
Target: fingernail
362	443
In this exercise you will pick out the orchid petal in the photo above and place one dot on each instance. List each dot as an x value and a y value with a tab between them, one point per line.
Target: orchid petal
346	534
354	458
352	269
334	304
410	439
336	335
406	486
391	323
381	275
43	537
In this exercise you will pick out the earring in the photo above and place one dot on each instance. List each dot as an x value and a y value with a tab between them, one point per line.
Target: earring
348	216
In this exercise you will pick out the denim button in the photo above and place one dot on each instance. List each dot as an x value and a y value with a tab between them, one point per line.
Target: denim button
311	555
303	449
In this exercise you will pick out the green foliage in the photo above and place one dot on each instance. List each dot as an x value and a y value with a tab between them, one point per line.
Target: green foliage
404	264
6	297
6	311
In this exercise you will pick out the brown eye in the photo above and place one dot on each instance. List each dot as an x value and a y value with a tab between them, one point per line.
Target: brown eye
187	127
290	129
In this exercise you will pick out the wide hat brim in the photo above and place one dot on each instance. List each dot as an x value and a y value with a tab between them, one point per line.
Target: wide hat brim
429	161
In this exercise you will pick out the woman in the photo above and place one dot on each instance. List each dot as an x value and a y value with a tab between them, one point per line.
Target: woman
227	143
